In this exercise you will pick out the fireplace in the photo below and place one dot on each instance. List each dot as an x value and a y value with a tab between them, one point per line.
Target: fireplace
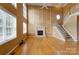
40	31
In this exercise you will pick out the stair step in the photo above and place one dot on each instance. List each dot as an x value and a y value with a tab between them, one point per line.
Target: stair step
62	30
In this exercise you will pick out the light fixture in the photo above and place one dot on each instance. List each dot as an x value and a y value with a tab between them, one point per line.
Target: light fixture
57	16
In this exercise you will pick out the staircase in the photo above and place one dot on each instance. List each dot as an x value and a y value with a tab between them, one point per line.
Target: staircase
63	32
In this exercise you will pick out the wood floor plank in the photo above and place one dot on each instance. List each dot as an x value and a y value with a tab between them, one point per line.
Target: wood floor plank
46	46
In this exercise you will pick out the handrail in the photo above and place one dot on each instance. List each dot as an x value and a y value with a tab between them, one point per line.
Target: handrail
63	32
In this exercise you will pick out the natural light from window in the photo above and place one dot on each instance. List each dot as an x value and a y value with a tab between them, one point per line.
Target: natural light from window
57	16
7	27
24	28
24	10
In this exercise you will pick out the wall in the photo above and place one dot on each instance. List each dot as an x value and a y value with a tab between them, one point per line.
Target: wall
71	27
67	11
7	47
43	17
70	22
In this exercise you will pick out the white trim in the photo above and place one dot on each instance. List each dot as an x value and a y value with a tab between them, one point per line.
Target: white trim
70	34
67	19
12	49
62	38
40	28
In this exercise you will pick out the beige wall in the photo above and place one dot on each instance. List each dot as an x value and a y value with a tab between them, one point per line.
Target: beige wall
43	17
70	22
7	47
71	27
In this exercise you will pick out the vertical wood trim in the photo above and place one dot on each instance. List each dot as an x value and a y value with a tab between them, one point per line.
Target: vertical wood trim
19	19
27	20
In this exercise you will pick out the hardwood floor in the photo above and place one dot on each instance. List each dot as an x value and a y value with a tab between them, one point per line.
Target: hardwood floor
46	46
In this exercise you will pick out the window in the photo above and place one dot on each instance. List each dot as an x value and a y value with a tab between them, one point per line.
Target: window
14	4
7	27
25	16
24	27
58	16
24	10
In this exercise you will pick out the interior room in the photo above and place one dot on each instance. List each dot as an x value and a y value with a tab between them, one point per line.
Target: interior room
39	28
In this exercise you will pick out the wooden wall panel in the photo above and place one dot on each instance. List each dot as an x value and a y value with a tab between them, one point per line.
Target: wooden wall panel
68	8
43	17
9	8
19	20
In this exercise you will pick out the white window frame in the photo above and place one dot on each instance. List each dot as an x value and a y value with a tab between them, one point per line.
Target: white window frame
6	38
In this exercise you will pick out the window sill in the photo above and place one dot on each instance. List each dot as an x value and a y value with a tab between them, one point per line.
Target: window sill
5	41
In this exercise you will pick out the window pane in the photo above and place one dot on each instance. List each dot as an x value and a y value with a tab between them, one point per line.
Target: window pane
24	10
24	28
1	30
7	27
14	4
1	21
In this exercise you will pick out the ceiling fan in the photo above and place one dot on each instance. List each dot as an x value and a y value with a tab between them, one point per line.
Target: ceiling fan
44	5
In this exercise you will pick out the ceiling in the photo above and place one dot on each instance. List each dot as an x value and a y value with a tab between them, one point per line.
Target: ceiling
49	4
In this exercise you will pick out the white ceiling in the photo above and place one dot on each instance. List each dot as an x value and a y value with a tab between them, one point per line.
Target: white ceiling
49	4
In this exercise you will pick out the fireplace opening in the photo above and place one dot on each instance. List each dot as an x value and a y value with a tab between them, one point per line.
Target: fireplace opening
40	32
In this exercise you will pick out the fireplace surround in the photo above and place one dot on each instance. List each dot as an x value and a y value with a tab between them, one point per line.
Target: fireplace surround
40	31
